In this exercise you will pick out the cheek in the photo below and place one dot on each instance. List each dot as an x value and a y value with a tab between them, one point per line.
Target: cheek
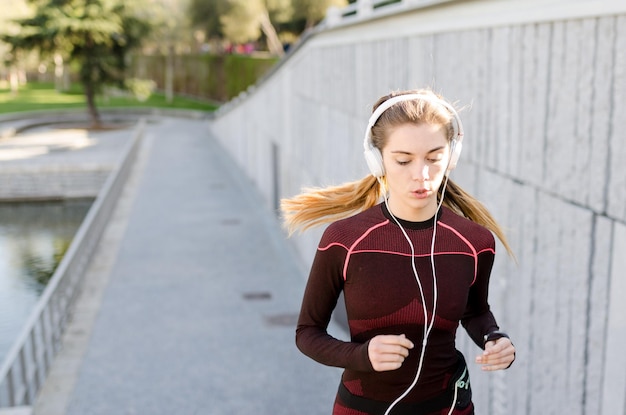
396	173
438	169
437	172
437	179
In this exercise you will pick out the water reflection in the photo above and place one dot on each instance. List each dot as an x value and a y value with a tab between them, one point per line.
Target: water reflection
33	239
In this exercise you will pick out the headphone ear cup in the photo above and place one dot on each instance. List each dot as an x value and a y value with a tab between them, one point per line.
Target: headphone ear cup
456	154
374	161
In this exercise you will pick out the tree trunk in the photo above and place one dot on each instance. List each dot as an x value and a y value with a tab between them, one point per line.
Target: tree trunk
59	69
14	81
273	42
90	95
169	75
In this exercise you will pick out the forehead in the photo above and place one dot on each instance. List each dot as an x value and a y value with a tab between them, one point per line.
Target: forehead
416	137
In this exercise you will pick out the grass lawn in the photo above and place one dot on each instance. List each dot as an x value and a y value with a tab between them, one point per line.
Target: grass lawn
43	96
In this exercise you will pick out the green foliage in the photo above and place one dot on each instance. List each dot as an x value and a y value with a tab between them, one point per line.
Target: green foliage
243	71
246	20
238	20
142	89
280	11
43	96
313	11
95	34
35	96
205	14
241	21
171	24
213	77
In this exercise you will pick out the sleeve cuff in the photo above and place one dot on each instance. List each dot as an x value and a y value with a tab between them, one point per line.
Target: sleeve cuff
494	335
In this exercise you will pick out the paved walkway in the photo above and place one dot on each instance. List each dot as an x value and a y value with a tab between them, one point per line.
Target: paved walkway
190	305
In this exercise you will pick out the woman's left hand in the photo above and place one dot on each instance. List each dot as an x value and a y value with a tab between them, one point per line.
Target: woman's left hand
498	354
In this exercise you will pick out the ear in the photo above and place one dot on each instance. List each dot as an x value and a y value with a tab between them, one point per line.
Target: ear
456	147
374	160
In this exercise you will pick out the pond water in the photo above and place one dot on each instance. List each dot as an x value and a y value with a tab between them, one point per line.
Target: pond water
33	239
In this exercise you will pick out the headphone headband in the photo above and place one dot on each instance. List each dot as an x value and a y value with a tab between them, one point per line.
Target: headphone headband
373	157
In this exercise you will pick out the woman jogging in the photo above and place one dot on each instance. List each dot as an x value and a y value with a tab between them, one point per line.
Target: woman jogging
412	253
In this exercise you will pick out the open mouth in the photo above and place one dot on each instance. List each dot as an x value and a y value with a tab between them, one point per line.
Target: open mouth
421	193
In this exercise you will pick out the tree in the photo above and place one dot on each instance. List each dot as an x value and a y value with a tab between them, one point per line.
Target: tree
205	15
245	20
172	33
10	11
94	34
313	11
241	21
171	25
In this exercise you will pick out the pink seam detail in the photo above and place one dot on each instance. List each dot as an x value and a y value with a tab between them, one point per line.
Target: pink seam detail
351	249
332	244
475	254
407	254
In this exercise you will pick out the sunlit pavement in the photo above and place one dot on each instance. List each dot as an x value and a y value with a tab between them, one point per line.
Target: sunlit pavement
190	305
45	146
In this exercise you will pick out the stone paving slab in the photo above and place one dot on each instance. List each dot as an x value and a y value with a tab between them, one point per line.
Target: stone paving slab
54	163
40	148
198	312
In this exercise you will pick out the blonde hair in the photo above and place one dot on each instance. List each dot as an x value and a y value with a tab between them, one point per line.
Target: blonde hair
318	206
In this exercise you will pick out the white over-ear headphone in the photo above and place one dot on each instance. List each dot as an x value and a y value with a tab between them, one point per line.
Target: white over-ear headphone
373	156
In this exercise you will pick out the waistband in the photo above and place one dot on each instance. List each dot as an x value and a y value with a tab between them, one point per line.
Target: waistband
458	391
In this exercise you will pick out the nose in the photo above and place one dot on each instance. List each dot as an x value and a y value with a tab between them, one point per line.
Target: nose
421	173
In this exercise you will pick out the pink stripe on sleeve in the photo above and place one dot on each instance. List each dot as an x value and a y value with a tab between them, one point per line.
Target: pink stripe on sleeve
352	248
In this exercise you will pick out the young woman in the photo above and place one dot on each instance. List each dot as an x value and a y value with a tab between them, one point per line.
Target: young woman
411	268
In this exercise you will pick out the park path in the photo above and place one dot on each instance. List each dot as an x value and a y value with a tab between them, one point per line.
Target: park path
190	304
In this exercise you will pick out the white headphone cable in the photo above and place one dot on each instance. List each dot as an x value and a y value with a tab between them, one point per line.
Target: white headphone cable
427	327
428	324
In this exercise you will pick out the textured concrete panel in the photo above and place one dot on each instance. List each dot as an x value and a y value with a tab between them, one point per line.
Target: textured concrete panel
599	287
537	40
602	108
617	174
614	375
560	265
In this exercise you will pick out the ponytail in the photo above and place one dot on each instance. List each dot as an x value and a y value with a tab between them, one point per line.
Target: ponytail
468	206
317	206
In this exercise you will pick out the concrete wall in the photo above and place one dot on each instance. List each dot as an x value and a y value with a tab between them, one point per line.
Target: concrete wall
544	85
53	182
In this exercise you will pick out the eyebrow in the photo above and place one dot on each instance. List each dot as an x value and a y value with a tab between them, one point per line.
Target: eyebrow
408	153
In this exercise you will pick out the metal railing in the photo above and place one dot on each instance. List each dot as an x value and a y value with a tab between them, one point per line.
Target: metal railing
26	366
367	9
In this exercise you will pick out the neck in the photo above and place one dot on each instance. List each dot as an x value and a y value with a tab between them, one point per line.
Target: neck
420	214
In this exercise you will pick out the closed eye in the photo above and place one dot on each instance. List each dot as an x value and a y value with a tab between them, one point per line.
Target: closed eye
437	158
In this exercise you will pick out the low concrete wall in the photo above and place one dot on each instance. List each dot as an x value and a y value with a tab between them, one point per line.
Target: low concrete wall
53	182
544	83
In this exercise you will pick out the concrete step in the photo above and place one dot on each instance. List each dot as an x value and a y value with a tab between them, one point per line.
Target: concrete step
17	410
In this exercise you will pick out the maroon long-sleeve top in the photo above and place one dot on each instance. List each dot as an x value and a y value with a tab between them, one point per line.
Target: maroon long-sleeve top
368	258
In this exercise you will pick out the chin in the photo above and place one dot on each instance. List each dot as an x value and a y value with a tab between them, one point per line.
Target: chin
423	205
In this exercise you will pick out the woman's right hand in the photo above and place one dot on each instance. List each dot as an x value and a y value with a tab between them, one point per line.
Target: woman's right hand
387	352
